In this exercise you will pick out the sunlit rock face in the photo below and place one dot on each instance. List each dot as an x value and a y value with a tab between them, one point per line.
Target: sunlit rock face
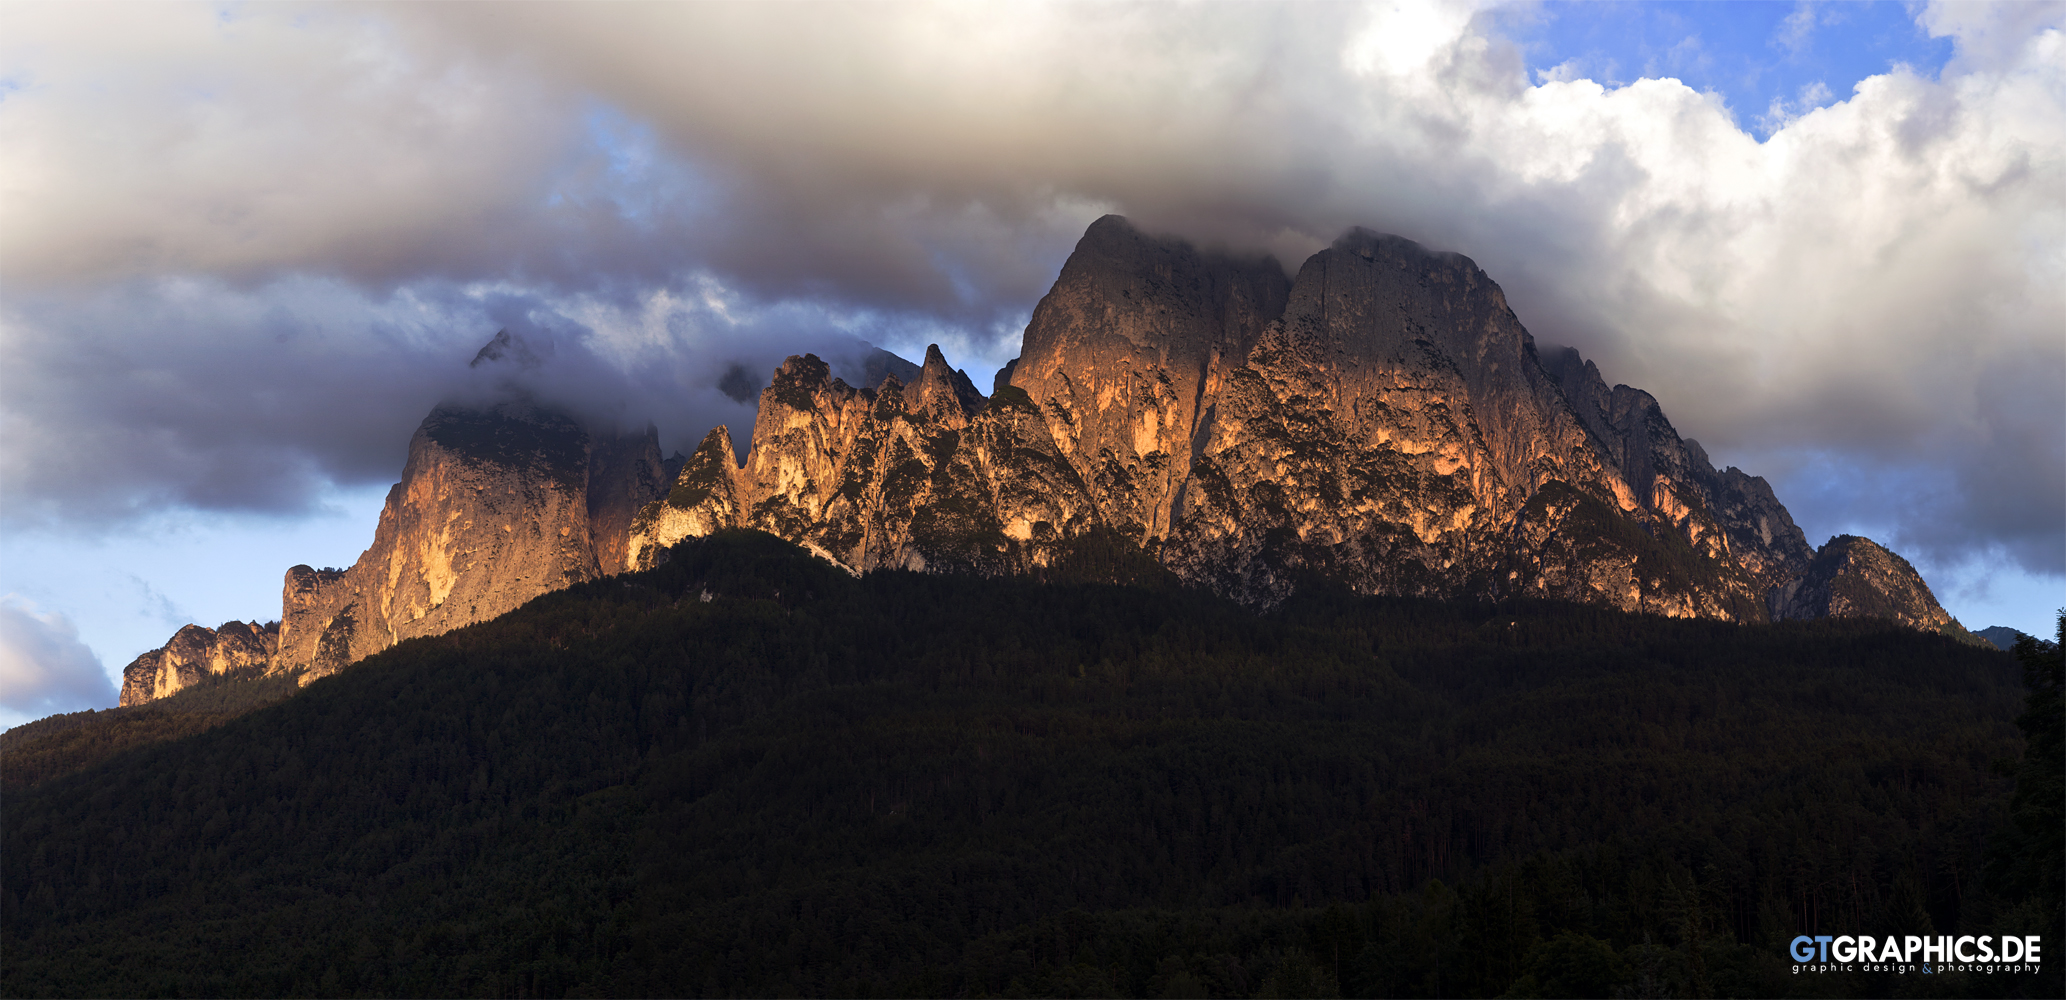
925	476
1731	515
703	498
1123	359
1394	432
496	506
1853	577
194	654
1381	422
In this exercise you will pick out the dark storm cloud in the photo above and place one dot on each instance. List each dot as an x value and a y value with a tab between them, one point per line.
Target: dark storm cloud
672	192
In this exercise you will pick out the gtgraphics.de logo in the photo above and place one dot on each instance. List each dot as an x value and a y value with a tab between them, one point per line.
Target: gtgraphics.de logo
1923	955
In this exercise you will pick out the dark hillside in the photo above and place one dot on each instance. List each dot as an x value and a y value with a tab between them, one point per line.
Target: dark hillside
745	773
61	744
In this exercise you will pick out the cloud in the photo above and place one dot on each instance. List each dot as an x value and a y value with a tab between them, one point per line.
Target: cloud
195	393
44	668
1782	112
244	255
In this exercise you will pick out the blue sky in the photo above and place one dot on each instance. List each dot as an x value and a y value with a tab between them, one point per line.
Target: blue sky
1802	55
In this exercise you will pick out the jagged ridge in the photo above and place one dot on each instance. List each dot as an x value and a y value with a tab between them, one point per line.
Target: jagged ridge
1382	422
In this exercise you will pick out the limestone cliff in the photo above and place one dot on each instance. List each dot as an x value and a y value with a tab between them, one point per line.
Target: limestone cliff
1382	421
194	654
496	506
703	498
1761	532
1123	359
1394	432
925	476
1728	510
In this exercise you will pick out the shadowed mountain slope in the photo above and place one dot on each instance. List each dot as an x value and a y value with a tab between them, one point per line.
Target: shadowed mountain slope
747	773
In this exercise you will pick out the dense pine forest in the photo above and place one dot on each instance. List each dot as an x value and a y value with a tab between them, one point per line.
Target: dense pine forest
745	773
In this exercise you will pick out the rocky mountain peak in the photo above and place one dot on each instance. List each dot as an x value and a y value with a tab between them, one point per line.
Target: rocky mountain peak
703	498
1123	355
943	391
797	382
1383	421
510	349
1855	577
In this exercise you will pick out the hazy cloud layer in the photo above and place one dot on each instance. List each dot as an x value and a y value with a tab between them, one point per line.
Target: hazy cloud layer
190	392
44	668
247	247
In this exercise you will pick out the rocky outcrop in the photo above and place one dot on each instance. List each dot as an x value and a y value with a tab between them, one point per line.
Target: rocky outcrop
703	498
1123	358
1761	532
1853	577
1381	422
1728	511
195	654
496	506
925	476
1394	432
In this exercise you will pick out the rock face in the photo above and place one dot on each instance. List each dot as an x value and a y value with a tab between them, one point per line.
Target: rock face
1383	421
924	476
194	654
1673	476
496	506
1394	432
1853	577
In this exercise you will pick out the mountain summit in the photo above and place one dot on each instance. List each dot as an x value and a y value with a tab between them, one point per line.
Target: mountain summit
1382	422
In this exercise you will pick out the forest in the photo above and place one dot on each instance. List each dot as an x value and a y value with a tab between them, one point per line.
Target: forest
745	773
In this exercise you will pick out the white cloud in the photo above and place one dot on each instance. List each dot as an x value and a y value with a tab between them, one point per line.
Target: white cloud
1794	32
44	668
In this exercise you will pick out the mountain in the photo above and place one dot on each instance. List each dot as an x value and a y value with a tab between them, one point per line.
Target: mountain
2003	637
496	506
1382	422
1853	577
